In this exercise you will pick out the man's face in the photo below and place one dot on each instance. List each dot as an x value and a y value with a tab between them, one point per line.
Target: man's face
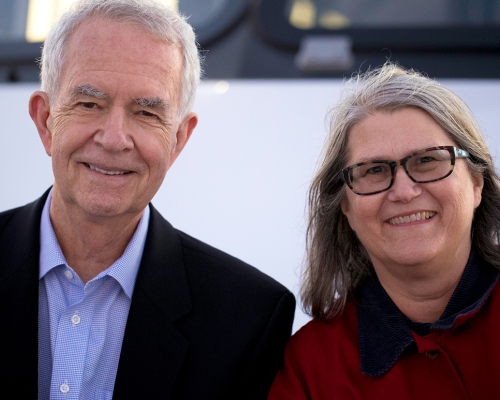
113	130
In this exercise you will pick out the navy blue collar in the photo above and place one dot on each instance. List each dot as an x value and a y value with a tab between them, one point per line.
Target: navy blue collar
385	332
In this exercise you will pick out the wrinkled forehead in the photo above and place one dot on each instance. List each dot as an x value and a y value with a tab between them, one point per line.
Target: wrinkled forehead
112	55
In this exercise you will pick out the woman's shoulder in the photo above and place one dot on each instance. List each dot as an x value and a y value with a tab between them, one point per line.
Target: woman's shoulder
320	350
334	332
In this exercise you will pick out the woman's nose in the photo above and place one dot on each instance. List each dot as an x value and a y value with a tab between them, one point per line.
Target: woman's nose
403	188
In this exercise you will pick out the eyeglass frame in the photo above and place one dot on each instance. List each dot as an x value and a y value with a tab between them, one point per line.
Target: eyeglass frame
455	153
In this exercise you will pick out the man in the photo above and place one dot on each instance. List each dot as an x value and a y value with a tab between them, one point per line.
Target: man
127	306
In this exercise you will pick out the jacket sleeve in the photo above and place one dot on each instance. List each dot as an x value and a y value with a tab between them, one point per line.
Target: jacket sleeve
267	356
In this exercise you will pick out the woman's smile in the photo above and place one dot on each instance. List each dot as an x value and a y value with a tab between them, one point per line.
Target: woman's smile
423	215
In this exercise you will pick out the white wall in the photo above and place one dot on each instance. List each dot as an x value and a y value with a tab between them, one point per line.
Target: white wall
240	184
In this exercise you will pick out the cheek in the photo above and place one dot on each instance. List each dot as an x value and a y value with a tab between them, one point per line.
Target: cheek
67	136
166	141
155	151
362	213
470	186
157	138
59	144
60	121
457	202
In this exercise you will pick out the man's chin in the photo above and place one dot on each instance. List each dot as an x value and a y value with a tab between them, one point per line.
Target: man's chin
101	205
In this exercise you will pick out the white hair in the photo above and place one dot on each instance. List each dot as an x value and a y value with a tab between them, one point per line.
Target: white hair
162	22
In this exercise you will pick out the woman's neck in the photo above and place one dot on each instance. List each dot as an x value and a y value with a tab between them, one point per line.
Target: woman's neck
422	292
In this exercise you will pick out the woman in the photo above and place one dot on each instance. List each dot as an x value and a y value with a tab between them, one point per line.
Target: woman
402	265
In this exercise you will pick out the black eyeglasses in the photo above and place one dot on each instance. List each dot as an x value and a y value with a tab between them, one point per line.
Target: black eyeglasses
427	165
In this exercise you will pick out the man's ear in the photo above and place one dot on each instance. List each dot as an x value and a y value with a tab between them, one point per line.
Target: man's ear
183	134
39	109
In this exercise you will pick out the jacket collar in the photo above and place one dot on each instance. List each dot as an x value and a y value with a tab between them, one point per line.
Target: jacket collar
384	332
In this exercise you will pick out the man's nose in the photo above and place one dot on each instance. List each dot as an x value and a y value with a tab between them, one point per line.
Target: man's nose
114	131
403	188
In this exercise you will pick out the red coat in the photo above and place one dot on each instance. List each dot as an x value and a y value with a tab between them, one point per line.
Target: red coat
322	361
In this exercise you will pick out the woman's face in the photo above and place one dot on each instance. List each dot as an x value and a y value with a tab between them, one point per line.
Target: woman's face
445	207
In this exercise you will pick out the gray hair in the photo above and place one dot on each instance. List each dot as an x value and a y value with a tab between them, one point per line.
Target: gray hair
336	261
162	22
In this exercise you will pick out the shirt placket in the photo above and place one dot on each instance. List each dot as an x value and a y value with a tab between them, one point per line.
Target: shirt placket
71	346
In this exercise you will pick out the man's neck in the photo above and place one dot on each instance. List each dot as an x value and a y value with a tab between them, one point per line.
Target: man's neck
91	245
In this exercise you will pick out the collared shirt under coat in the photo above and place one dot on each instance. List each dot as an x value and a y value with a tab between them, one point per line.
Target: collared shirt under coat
81	325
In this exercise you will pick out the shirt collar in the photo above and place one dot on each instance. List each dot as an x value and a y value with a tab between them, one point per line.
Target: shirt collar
123	270
384	332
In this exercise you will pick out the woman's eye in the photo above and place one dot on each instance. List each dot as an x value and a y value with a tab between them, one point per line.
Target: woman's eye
425	160
375	170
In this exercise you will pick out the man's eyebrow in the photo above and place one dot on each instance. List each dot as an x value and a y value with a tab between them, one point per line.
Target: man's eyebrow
89	91
152	102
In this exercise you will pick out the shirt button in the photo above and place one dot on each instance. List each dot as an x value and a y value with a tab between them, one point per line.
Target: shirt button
64	388
75	319
432	355
68	274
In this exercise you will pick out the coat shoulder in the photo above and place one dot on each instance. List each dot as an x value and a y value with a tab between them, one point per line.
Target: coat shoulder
26	216
6	216
209	260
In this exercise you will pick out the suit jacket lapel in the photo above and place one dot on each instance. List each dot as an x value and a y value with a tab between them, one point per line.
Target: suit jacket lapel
153	350
19	266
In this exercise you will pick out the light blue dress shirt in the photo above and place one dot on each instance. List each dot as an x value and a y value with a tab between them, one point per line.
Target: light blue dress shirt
81	326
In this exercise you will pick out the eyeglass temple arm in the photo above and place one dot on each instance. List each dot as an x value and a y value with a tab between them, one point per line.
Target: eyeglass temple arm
459	153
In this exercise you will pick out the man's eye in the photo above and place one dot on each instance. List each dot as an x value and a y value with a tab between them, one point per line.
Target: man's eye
88	104
147	114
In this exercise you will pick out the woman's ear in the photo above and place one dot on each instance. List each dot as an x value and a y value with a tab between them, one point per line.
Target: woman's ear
478	182
344	206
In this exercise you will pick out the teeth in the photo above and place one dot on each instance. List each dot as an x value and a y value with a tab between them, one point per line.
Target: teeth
103	171
411	218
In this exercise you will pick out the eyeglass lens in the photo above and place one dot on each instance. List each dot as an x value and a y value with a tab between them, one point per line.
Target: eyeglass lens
423	167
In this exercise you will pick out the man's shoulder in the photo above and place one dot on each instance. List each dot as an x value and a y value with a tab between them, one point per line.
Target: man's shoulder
19	240
221	292
6	216
202	258
203	263
17	216
22	214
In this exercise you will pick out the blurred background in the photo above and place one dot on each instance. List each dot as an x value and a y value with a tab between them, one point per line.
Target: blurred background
299	38
272	70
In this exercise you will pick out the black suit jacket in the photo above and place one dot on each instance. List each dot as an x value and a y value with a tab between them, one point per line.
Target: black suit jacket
202	324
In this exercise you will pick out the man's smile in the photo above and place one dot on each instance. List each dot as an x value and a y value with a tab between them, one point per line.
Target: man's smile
106	172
